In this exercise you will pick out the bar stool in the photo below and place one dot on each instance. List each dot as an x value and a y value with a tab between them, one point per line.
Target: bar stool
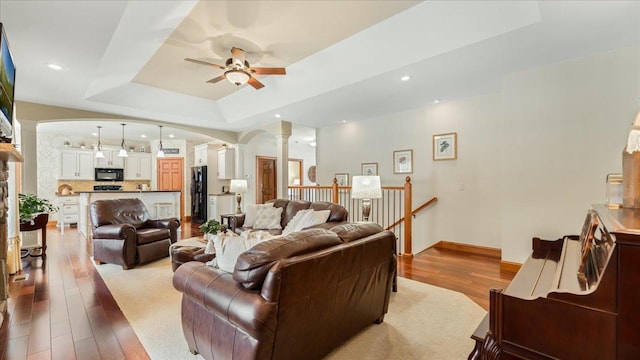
164	210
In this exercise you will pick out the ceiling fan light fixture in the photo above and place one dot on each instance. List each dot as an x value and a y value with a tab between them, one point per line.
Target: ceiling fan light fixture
237	77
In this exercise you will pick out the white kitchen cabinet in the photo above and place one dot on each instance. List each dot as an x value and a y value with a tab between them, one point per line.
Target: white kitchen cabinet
69	210
75	164
226	164
110	160
137	166
205	155
221	205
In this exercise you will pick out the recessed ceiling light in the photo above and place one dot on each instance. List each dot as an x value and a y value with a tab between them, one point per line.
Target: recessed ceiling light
278	116
94	134
344	121
436	101
405	78
143	136
54	66
312	144
171	136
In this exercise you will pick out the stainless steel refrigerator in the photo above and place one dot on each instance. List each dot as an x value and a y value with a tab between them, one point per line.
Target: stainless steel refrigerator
199	194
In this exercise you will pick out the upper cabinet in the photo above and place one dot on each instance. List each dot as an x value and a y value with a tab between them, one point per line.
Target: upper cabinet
226	163
138	166
75	164
110	159
205	155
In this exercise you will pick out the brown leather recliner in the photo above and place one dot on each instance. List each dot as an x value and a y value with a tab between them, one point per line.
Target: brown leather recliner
124	234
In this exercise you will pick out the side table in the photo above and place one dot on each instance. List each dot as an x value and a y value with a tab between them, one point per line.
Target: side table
228	217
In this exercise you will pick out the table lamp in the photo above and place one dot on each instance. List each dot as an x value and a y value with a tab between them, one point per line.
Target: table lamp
366	188
238	186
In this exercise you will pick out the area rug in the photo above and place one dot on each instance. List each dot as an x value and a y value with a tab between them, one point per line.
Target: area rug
423	322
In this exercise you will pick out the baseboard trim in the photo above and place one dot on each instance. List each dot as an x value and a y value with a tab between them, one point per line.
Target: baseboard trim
510	266
474	249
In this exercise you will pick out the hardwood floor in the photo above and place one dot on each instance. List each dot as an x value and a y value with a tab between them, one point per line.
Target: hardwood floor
63	309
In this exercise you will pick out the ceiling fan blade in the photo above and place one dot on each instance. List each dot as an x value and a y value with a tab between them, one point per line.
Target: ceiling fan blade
268	71
255	83
238	54
216	79
205	63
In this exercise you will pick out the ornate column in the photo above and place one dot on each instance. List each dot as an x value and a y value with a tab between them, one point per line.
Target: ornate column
7	154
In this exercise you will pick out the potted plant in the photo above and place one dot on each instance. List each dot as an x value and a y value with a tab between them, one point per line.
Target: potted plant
212	227
31	206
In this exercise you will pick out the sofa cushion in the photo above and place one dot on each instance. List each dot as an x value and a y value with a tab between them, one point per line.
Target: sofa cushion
268	218
149	235
251	213
354	231
292	209
228	246
252	265
338	212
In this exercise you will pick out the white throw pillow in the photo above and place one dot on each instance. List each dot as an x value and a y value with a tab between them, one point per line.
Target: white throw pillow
229	246
268	218
251	213
313	218
292	225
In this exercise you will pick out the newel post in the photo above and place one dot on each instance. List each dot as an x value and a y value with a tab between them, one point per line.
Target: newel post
334	191
407	251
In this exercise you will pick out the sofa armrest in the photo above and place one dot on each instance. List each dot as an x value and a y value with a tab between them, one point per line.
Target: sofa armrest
115	231
236	221
216	291
172	224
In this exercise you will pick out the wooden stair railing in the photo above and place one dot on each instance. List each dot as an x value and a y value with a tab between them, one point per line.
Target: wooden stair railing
407	219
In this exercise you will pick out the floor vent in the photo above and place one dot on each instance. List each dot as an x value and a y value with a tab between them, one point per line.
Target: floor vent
21	277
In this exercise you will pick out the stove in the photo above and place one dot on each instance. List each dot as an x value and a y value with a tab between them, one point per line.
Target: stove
107	187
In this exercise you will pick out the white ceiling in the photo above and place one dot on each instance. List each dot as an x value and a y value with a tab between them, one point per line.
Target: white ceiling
343	58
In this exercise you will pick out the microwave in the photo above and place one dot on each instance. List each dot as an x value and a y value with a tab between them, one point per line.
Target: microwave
109	174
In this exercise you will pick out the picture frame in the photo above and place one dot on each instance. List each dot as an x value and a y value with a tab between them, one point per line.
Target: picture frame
403	161
343	179
445	146
369	168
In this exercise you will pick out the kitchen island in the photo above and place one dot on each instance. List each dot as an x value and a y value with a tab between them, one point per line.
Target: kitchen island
149	198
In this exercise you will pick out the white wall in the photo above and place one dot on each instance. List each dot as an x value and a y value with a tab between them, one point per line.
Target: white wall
264	144
531	159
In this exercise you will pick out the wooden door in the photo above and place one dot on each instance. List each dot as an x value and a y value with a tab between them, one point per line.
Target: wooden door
171	177
265	179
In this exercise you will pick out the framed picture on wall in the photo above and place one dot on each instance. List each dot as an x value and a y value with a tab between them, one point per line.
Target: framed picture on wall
403	162
445	146
343	179
369	168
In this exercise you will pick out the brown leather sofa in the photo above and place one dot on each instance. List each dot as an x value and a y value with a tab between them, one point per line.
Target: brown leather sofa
294	297
337	216
124	234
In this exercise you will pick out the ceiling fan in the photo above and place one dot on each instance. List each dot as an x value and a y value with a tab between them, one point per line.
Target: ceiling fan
238	71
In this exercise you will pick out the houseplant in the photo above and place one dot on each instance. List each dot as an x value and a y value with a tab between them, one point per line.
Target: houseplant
30	206
212	227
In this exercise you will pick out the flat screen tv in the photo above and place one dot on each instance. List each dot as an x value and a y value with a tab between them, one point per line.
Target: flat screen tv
7	86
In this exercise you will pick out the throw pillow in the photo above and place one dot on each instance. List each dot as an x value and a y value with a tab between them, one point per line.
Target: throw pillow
229	246
251	213
268	218
292	225
313	218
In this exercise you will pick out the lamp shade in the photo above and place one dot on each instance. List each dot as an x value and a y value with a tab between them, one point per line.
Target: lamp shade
238	186
366	187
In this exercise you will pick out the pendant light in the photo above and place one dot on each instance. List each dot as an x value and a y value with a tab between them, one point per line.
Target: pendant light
99	153
123	150
160	149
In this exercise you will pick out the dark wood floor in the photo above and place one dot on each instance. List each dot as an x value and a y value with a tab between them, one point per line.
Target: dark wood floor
63	310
